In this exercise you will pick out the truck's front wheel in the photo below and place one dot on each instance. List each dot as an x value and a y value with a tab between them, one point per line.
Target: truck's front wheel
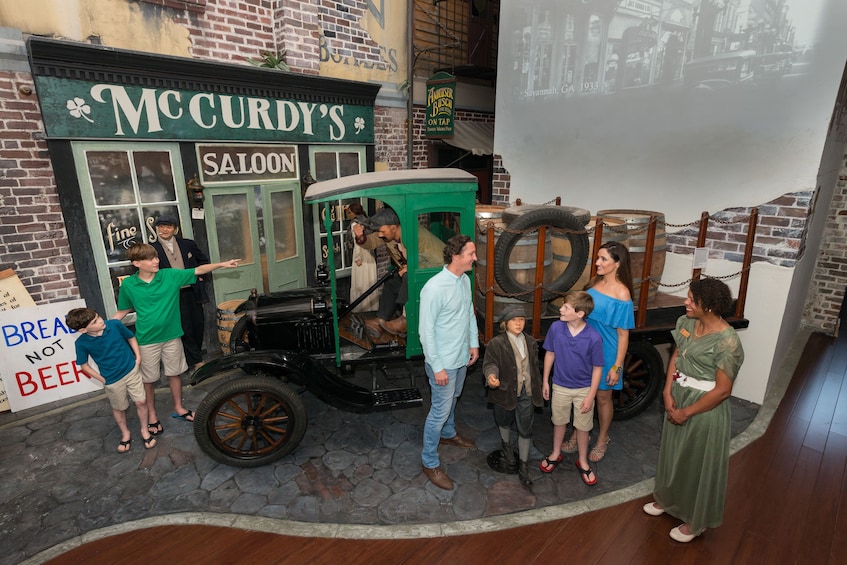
250	422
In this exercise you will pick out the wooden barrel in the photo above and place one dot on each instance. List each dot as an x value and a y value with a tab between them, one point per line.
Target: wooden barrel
503	302
614	229
638	222
522	259
227	318
486	212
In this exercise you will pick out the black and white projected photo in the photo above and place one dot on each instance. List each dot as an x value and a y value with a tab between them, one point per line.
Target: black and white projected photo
666	102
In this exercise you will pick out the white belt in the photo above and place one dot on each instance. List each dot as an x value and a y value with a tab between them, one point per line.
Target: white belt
684	380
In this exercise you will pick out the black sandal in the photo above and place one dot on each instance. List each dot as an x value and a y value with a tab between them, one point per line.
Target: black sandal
155	428
126	445
148	440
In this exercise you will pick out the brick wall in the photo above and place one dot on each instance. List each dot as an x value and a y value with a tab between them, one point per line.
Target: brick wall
297	29
829	279
228	31
501	182
32	229
779	233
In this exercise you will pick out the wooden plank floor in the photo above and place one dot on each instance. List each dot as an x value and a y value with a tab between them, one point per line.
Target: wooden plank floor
786	504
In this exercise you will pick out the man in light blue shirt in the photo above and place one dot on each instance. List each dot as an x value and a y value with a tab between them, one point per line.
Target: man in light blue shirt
450	340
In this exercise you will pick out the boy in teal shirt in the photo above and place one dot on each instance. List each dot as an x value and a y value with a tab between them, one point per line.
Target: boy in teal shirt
115	350
154	295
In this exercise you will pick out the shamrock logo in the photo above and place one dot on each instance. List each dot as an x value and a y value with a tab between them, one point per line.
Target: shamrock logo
359	124
79	109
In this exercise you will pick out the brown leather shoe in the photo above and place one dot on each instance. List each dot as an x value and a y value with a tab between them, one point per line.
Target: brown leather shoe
373	327
438	477
458	441
397	326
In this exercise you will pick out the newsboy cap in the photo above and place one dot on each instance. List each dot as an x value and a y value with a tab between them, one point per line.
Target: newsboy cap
384	217
511	312
167	220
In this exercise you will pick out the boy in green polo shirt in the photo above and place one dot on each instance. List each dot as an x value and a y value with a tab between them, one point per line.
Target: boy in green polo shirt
154	295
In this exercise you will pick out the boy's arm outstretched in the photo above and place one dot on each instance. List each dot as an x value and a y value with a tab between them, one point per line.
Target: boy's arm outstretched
203	269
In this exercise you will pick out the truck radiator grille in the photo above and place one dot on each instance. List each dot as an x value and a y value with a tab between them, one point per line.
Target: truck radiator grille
315	337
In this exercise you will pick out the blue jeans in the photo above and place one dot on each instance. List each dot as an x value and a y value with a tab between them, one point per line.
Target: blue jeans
439	421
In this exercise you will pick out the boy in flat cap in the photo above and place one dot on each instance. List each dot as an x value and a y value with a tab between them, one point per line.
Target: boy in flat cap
514	385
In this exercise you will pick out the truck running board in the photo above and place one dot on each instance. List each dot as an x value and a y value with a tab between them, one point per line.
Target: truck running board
396	398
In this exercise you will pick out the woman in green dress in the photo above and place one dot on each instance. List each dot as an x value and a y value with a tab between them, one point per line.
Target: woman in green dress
691	474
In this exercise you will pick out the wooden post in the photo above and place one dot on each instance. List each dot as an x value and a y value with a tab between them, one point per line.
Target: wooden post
641	319
745	267
489	283
598	241
537	300
701	240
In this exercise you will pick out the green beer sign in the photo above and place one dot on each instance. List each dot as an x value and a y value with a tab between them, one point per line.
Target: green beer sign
440	97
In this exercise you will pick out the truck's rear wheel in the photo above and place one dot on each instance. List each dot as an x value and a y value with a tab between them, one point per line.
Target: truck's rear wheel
643	377
250	422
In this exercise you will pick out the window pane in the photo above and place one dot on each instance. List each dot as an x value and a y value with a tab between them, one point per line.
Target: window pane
111	178
120	231
118	274
435	228
155	176
325	166
349	164
232	226
285	244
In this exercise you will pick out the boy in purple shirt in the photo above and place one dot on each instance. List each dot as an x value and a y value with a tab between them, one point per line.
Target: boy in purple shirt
577	350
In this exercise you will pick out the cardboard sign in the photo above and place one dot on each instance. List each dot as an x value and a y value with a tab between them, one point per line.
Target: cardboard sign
39	358
13	295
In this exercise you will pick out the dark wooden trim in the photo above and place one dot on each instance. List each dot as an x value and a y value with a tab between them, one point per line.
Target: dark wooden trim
73	212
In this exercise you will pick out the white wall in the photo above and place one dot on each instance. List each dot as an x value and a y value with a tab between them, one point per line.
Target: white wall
675	149
667	147
766	302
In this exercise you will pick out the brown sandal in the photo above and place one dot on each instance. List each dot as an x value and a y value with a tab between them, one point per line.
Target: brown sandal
598	452
570	446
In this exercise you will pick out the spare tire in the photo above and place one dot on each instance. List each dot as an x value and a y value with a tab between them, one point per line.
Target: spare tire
574	230
512	213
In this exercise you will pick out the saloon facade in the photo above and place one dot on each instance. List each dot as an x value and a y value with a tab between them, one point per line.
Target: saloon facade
106	132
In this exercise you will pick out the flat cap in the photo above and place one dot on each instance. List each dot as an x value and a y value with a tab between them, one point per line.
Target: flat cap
384	217
167	220
511	312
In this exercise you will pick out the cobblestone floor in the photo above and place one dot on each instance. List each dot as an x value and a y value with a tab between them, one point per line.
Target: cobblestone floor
62	476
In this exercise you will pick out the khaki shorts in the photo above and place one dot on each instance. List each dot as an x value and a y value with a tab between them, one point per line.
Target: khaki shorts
563	399
129	386
168	353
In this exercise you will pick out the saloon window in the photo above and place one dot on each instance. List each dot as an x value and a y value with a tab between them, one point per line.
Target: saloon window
328	163
124	188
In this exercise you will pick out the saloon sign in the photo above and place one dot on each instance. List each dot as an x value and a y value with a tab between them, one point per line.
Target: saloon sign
78	109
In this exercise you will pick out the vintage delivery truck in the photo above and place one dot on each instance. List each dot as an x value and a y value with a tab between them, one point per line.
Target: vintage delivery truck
314	340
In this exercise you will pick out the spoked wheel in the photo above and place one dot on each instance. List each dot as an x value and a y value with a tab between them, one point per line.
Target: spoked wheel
250	422
643	376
